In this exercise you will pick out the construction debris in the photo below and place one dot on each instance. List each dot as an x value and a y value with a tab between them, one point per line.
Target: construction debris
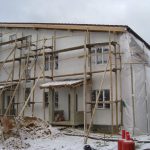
15	143
17	130
34	127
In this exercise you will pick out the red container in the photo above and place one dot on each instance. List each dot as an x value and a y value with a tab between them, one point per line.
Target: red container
123	134
120	144
121	140
128	145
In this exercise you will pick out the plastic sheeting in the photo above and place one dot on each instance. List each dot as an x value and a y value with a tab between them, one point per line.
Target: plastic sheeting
135	84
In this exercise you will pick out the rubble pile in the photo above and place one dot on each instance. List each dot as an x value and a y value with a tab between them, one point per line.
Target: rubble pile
15	143
32	127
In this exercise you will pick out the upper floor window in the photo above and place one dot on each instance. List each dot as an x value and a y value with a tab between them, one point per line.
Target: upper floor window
26	41
28	69
27	93
49	62
13	37
99	55
104	97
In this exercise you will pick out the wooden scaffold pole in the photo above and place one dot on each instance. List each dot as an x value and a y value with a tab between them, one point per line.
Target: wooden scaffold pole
85	88
15	90
35	69
116	84
44	40
27	100
120	79
97	101
111	84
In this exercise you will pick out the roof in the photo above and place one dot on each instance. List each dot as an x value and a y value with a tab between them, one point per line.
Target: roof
66	26
57	84
78	27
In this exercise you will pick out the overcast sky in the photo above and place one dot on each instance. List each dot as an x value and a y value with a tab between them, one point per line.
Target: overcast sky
135	13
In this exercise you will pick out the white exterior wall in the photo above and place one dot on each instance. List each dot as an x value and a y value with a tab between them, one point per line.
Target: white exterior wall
65	66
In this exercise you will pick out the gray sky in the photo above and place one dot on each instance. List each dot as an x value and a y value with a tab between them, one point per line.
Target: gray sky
135	13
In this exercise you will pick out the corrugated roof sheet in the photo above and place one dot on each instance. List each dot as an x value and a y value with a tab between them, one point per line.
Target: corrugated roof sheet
61	83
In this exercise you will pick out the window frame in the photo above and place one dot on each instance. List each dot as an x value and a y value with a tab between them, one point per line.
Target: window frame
103	95
98	58
28	89
46	102
48	62
56	99
12	37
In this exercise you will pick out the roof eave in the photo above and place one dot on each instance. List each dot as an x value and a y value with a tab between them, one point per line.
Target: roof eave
79	27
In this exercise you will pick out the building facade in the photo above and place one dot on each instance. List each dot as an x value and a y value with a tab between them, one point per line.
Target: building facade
57	72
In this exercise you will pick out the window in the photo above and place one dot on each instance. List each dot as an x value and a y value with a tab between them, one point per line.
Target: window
26	41
76	102
56	99
55	62
28	69
104	96
46	99
12	37
46	63
27	92
49	62
99	55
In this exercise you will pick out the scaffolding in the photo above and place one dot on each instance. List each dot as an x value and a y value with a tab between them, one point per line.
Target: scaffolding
30	58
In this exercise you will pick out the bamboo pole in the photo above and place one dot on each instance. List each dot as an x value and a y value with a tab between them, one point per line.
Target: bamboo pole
146	101
3	62
16	88
133	98
26	102
44	76
111	83
18	98
1	92
63	50
96	103
116	88
85	88
90	67
26	71
13	67
35	63
52	72
120	79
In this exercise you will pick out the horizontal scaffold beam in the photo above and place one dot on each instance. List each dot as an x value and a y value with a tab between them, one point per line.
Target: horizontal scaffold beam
60	50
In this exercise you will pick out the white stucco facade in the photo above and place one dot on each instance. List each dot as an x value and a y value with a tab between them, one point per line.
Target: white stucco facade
71	62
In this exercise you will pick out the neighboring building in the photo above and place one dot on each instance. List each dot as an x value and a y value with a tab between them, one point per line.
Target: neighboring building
52	57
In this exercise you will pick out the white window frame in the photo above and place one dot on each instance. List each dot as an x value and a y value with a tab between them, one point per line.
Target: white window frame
48	62
95	55
12	37
103	104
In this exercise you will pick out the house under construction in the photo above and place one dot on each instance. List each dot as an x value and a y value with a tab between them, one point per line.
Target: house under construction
76	74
